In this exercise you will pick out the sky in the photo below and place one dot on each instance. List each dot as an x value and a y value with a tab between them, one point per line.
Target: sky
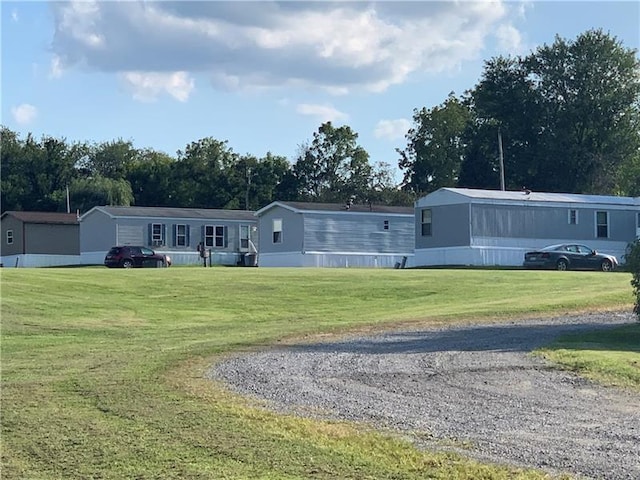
264	75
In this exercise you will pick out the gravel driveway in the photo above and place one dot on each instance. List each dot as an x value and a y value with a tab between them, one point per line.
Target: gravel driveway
473	389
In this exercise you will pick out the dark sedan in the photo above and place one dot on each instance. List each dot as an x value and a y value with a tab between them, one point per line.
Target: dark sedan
132	256
569	256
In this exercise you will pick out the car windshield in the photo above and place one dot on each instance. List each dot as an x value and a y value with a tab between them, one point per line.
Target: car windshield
114	251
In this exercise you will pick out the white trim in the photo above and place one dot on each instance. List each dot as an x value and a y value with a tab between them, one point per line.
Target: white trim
332	260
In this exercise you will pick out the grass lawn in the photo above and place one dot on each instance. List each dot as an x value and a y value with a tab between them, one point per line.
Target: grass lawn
102	370
611	357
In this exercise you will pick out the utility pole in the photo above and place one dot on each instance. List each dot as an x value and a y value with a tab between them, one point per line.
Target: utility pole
246	195
501	157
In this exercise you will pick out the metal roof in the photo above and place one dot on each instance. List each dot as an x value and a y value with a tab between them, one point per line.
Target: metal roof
543	197
339	207
44	217
175	212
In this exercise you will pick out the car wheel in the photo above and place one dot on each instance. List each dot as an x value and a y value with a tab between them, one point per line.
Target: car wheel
127	263
562	265
606	266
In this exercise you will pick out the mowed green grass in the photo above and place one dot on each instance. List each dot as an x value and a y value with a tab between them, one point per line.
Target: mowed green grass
103	370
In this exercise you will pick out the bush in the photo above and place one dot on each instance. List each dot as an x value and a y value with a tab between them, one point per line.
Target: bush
632	261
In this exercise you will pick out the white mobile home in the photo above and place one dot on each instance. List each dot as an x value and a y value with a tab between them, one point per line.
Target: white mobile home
457	226
229	235
300	234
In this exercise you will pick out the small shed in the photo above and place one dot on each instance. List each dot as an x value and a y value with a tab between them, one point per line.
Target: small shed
228	236
458	226
302	234
39	239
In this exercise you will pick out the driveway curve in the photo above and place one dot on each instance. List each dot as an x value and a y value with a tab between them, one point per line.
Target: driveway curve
474	389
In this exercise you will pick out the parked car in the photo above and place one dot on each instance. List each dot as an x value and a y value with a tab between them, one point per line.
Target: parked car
128	256
569	256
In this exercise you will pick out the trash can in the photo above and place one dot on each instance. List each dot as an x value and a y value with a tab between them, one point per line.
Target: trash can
250	260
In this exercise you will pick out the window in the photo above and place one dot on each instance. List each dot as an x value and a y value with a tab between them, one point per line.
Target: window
426	223
277	230
156	234
573	216
385	225
10	236
181	236
215	236
602	224
244	237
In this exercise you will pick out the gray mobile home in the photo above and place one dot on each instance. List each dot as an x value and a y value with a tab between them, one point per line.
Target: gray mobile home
457	226
230	235
300	234
39	239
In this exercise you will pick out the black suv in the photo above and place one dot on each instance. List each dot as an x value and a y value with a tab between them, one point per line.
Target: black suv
133	256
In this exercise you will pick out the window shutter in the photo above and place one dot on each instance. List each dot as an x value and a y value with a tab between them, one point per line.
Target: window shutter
226	236
150	241
164	234
175	234
188	233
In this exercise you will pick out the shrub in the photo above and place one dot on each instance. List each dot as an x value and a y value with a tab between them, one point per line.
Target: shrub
632	261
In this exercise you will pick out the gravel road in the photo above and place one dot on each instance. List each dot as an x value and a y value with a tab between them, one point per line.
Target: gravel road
473	389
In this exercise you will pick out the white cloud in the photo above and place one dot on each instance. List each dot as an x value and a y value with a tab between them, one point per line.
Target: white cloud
14	16
24	114
334	46
55	70
147	87
324	113
510	40
392	129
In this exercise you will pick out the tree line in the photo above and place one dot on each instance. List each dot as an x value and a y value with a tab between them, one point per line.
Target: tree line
565	118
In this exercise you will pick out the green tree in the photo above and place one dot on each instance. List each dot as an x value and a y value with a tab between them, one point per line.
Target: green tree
199	175
89	192
568	113
111	159
36	173
150	175
333	167
632	262
435	148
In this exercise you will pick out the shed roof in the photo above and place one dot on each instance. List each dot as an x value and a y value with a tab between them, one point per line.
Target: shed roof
526	195
175	212
43	217
338	207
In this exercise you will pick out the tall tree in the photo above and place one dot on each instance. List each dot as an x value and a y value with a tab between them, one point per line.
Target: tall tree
568	113
435	148
36	173
333	167
150	178
199	178
111	159
88	192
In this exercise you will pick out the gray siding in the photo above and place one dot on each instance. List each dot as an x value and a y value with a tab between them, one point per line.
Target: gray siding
101	231
358	233
97	232
40	238
15	225
450	226
513	221
292	231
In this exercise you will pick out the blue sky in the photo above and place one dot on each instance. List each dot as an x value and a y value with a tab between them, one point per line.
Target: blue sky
263	75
